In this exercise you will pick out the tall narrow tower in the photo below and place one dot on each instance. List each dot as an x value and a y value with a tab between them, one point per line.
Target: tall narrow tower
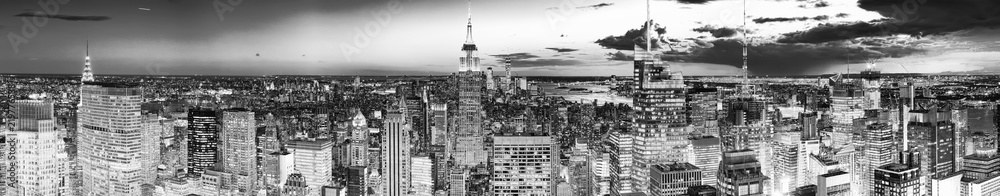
661	117
469	149
88	75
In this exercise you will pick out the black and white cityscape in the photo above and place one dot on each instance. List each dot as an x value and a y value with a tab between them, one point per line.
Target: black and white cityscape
547	97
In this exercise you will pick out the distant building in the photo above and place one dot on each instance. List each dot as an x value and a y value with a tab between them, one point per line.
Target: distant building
457	180
673	178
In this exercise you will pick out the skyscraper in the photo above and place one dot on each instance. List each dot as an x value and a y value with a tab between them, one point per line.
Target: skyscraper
110	112
202	140
151	129
358	148
523	165
314	159
270	155
622	150
469	149
38	151
396	154
706	152
238	148
422	179
661	116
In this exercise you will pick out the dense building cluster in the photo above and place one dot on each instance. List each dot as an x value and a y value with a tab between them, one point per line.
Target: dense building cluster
476	133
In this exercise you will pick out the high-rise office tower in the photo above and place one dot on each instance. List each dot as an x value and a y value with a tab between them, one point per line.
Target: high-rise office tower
702	104
809	122
202	140
673	178
744	123
238	148
871	81
422	179
36	151
269	155
878	151
151	130
314	158
786	162
523	165
438	123
847	103
396	154
706	152
356	185
622	150
358	148
661	116
740	174
469	148
110	138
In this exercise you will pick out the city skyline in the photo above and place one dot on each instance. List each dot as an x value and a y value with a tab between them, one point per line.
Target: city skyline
557	38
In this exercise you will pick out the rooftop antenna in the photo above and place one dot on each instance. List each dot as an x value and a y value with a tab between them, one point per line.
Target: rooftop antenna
746	72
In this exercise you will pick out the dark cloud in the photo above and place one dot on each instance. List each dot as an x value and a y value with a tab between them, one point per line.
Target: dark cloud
909	17
787	59
514	56
833	32
693	1
842	15
631	38
717	32
64	17
562	49
821	4
543	62
620	56
784	19
524	59
597	6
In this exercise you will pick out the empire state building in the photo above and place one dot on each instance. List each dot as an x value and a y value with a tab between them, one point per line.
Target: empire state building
469	149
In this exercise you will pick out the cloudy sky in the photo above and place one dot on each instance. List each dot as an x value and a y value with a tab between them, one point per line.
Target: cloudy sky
547	37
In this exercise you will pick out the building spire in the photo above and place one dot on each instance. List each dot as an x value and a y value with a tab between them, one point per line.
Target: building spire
88	74
746	71
468	35
649	28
